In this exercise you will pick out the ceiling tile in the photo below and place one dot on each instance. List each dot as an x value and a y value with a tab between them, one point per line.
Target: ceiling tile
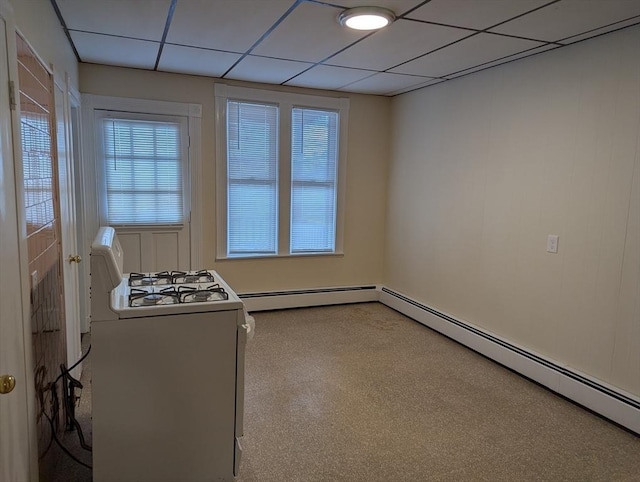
384	83
108	50
470	52
196	61
224	25
570	17
311	33
263	69
327	77
401	41
473	13
142	19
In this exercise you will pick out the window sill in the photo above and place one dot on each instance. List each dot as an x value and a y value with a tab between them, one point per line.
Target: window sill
279	256
146	227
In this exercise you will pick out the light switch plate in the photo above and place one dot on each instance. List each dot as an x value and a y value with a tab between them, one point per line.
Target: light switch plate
552	243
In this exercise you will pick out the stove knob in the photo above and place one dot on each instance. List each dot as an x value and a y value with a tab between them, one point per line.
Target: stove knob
74	259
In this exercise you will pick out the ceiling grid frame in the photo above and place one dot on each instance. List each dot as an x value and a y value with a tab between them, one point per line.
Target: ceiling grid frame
501	31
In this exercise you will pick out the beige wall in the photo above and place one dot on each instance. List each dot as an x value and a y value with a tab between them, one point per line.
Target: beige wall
38	23
483	168
367	157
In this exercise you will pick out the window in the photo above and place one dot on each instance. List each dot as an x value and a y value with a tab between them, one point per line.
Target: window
314	158
144	159
280	172
252	178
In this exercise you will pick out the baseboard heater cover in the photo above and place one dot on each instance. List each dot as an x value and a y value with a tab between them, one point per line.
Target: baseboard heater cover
276	300
607	401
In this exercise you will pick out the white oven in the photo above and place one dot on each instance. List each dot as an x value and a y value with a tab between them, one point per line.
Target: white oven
167	372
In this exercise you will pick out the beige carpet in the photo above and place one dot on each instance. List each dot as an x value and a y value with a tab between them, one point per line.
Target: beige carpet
362	393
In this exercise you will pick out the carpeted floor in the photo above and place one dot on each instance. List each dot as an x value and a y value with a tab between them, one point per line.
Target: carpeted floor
362	393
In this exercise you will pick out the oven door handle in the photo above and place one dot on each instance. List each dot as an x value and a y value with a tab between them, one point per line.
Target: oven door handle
248	327
247	332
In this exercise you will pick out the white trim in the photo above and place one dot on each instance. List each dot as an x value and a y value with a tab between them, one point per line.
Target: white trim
75	109
587	391
67	222
276	96
74	93
341	199
141	106
286	101
221	171
195	184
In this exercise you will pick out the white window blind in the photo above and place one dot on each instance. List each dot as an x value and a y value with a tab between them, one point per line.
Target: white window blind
252	178
314	155
143	167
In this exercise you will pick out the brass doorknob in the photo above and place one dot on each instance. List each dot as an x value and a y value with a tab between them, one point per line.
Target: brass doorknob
74	259
7	383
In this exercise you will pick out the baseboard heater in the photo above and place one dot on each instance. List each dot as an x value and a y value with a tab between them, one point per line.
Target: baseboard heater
276	300
607	401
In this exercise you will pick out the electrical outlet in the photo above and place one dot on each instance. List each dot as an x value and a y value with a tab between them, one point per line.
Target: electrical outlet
552	243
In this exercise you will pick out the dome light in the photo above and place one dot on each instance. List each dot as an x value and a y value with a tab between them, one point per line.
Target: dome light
366	18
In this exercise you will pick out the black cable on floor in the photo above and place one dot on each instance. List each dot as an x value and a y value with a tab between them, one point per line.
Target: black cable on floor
64	449
69	405
69	409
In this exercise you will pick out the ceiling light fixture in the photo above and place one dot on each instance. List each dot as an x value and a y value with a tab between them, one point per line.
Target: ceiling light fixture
366	18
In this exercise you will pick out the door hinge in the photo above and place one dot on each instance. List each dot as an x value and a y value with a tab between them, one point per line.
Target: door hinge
12	95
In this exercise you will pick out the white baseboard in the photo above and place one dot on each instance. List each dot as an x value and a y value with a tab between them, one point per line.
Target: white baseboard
277	300
610	402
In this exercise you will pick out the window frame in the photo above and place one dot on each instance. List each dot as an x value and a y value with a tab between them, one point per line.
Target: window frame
182	121
91	172
304	186
273	183
285	101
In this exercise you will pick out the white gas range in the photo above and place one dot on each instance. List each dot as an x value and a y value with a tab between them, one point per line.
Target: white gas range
167	372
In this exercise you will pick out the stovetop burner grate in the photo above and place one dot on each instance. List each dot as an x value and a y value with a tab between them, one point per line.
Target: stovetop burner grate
150	279
171	295
189	294
166	296
202	276
170	278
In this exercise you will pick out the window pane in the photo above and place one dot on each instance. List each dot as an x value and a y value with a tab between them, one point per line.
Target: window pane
252	218
312	218
143	167
252	178
314	156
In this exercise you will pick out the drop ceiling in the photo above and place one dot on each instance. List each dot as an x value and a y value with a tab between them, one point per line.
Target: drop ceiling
300	42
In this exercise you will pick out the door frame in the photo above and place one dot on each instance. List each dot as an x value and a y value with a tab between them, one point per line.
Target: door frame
26	419
68	234
89	194
75	142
